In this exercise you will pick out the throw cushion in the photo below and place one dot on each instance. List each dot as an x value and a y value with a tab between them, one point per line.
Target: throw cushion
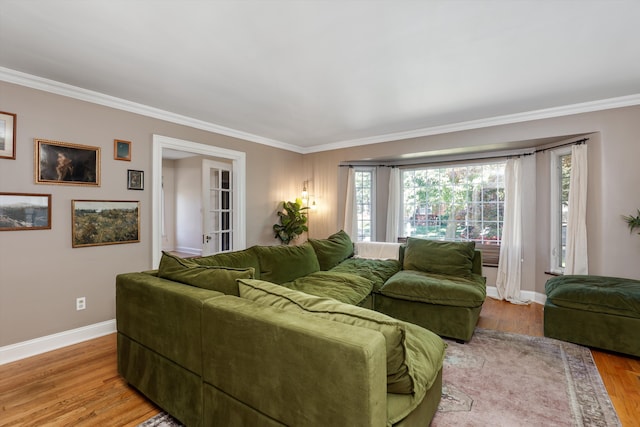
344	287
434	256
214	278
414	355
332	250
280	264
237	259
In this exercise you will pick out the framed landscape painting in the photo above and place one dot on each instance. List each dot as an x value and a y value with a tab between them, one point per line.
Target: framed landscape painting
25	211
7	135
121	150
64	163
104	222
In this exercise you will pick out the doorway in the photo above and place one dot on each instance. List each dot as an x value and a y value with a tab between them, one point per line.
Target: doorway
237	175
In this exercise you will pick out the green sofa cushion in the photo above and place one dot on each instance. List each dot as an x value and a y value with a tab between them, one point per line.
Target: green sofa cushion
442	289
601	294
332	250
343	287
280	264
439	257
245	258
376	270
215	278
414	355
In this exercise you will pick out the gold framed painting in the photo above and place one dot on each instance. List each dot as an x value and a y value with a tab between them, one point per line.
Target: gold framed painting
104	222
25	211
122	150
64	163
7	135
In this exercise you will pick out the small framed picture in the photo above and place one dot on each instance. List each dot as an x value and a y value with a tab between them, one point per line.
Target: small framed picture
135	180
7	135
104	222
122	150
25	211
68	164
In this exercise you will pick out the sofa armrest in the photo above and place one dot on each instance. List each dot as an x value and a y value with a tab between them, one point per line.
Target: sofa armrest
162	315
294	368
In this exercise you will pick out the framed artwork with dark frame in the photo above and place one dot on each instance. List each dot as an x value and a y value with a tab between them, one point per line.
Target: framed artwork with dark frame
104	222
64	163
122	150
135	180
25	211
7	135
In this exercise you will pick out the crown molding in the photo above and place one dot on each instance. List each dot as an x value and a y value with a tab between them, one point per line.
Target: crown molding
58	88
52	86
547	113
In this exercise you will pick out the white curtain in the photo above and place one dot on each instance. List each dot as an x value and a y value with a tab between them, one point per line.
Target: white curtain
350	207
576	261
393	208
509	278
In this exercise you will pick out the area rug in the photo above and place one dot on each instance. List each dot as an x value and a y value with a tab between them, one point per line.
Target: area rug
503	379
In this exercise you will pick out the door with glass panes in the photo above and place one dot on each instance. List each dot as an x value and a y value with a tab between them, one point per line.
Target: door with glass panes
217	204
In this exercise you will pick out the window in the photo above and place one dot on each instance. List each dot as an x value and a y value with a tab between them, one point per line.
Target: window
456	202
560	175
365	203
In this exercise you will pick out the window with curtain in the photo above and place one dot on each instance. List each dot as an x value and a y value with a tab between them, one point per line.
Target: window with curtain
365	203
560	177
460	202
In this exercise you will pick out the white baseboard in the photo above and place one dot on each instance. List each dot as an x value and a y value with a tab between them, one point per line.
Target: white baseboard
536	297
188	250
22	350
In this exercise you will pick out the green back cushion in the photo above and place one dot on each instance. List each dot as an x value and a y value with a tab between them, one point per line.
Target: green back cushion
414	355
215	278
332	250
434	256
238	259
280	264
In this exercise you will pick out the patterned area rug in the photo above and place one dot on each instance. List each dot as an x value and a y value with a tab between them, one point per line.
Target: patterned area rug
503	379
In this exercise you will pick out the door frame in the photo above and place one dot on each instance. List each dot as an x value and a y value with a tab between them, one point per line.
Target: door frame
238	160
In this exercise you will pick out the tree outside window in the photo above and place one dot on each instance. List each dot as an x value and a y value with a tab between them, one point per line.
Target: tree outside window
458	203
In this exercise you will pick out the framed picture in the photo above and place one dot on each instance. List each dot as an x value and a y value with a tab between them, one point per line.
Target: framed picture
25	211
7	135
135	180
104	222
122	150
68	164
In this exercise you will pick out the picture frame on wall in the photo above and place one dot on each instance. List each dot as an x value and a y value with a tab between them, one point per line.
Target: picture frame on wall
104	222
25	211
58	162
122	150
7	135
135	180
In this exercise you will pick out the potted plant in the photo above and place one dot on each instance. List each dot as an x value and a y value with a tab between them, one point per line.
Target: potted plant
632	221
293	221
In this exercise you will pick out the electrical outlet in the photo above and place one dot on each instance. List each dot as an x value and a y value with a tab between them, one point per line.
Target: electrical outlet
81	303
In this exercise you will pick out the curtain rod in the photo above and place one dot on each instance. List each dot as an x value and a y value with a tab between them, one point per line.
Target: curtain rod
508	156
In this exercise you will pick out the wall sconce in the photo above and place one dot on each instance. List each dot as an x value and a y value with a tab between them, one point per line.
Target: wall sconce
306	198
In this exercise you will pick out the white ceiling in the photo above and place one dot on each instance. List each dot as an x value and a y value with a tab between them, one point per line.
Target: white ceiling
313	75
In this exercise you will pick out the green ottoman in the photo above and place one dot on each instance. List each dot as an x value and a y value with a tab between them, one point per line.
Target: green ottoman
595	311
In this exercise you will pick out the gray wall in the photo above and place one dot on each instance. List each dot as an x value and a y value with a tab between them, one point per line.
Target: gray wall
41	275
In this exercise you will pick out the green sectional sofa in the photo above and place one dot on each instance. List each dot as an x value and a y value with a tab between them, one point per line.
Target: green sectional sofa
289	335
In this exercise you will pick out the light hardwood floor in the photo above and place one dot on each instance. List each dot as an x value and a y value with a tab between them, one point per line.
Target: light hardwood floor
79	385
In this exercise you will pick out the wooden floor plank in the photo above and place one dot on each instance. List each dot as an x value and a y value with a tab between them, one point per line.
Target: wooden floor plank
79	385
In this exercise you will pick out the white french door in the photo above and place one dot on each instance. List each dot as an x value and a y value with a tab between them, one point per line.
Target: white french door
217	207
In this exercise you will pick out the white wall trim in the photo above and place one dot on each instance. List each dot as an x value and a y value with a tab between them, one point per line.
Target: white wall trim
22	350
533	296
52	86
238	160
